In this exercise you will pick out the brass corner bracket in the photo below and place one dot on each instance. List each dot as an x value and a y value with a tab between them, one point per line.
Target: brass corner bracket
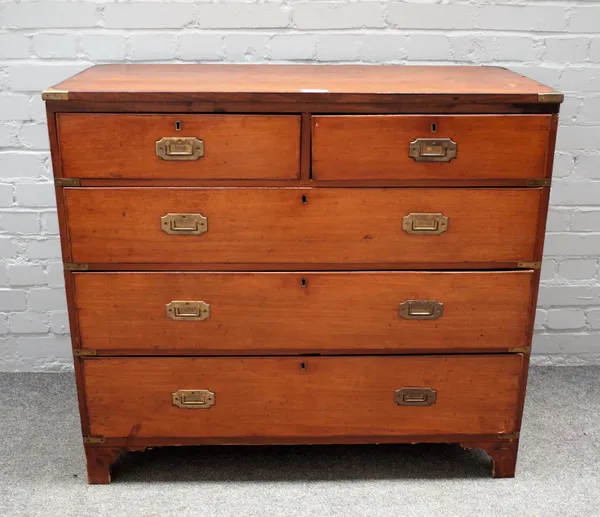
70	266
529	265
55	95
94	439
551	98
84	352
67	182
520	350
539	182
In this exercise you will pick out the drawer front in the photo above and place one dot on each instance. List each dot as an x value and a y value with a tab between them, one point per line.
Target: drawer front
310	397
462	147
204	146
301	226
211	313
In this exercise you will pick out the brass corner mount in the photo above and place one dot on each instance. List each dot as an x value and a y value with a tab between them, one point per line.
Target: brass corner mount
551	98
55	95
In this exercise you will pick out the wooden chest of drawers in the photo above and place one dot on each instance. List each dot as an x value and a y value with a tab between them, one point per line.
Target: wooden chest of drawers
301	254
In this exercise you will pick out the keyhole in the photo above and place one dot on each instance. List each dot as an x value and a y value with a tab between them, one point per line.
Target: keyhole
303	366
178	125
304	282
304	199
433	127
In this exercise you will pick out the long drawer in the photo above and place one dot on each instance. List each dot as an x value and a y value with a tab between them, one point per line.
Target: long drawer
302	226
429	147
211	313
179	146
302	397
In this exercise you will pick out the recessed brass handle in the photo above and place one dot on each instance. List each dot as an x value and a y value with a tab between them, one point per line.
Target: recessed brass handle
415	396
433	150
184	224
425	224
421	309
178	148
187	310
194	399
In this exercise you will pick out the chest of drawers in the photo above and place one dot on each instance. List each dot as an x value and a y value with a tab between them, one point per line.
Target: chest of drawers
301	254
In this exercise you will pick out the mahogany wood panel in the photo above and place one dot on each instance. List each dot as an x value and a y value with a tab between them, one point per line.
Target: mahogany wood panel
303	312
305	147
313	396
357	147
313	103
440	183
299	226
299	83
124	146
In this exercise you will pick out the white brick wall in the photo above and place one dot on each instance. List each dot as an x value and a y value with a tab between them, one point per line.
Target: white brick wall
45	41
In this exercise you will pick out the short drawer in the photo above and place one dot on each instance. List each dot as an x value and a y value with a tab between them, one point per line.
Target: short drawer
295	227
278	397
179	146
430	147
285	313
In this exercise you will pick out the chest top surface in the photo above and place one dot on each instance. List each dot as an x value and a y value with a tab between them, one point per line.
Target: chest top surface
130	82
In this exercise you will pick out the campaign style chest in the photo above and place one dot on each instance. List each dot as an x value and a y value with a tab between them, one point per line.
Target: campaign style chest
277	254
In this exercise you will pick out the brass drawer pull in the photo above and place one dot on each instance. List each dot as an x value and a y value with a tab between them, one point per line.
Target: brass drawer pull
194	399
179	148
188	311
421	309
415	396
184	224
425	224
432	150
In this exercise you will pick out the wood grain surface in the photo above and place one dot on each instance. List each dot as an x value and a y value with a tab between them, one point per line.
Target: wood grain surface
124	146
293	396
138	82
299	226
357	147
302	312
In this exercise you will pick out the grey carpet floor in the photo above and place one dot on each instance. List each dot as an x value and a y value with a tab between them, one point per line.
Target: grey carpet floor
42	469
